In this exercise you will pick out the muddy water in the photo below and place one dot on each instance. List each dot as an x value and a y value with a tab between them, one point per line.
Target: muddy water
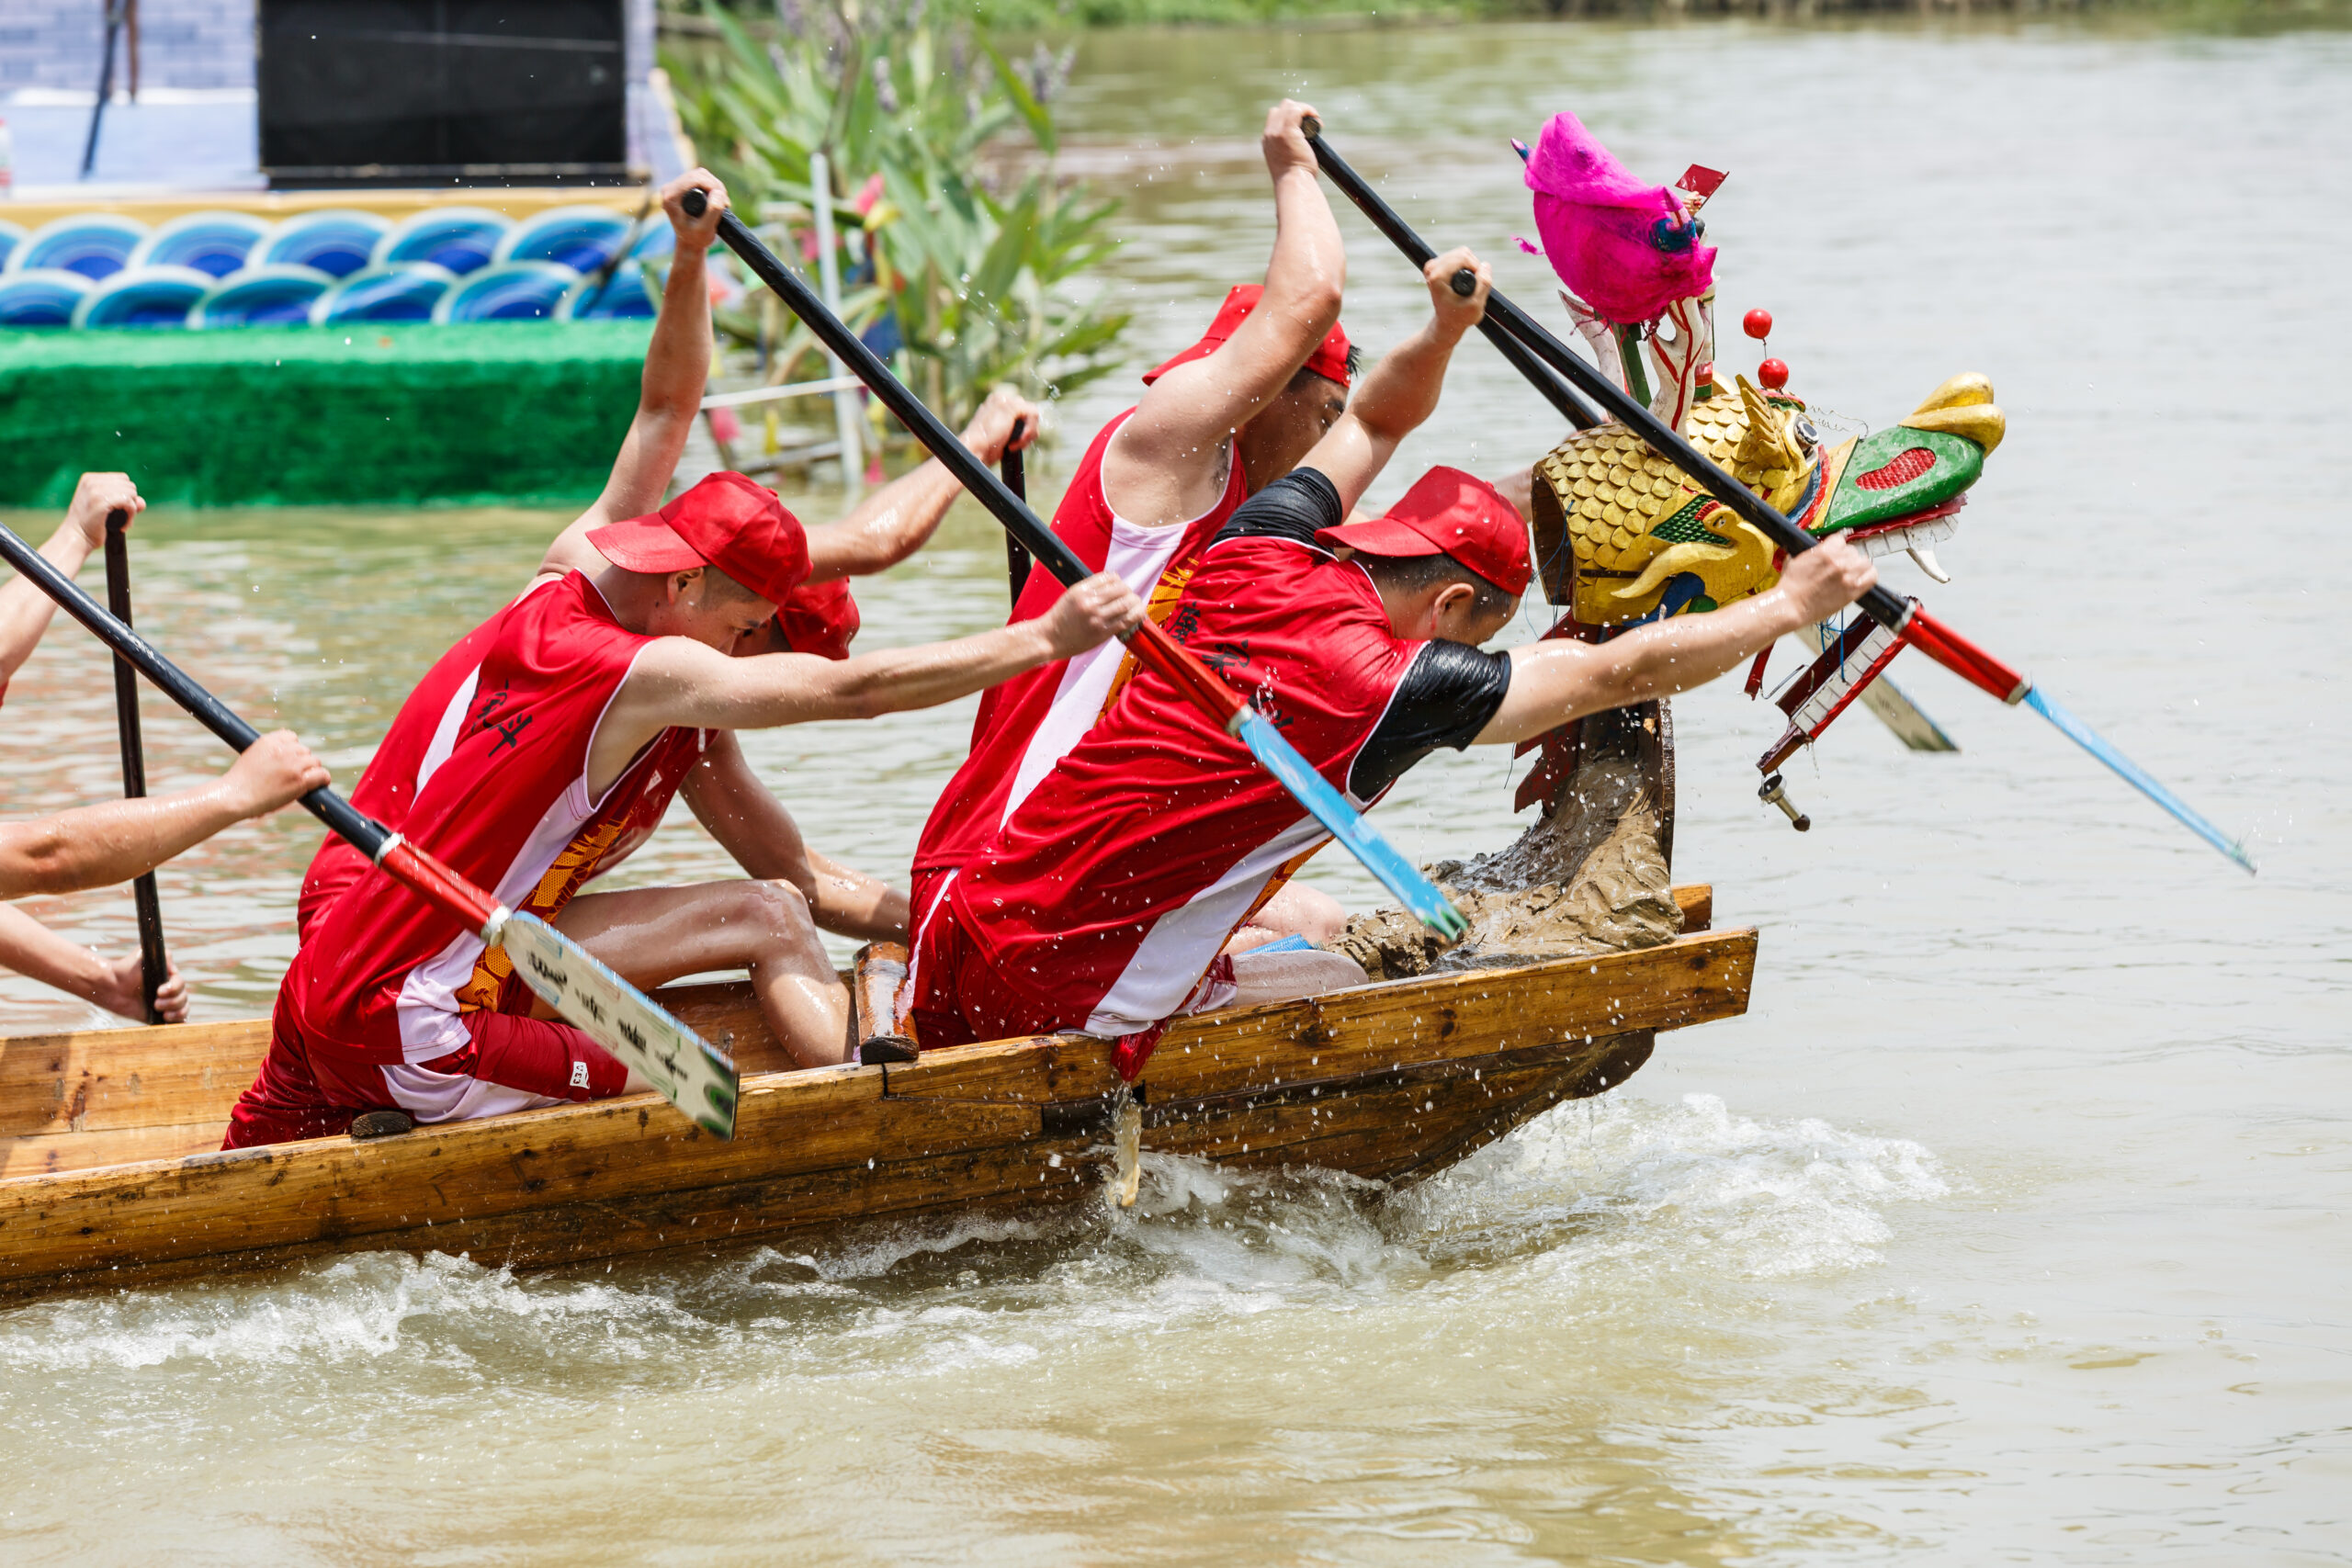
2009	1224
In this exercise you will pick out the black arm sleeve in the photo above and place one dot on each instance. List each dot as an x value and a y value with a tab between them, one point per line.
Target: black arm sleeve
1449	693
1292	507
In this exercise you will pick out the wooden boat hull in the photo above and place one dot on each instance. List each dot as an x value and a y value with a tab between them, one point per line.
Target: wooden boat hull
104	1186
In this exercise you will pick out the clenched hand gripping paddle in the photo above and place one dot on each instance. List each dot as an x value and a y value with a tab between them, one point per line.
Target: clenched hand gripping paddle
153	967
690	1073
1904	618
1150	645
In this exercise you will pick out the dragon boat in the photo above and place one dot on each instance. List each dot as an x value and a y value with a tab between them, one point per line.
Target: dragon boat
111	1176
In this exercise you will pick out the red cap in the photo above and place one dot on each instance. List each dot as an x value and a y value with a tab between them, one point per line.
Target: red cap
727	520
820	619
1450	511
1330	359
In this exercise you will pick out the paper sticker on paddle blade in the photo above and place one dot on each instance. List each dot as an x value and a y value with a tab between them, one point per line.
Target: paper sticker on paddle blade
687	1070
1421	897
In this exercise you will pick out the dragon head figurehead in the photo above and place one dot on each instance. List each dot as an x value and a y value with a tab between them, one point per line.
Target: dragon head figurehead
1622	535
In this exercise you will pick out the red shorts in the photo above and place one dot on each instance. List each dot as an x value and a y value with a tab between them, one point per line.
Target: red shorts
312	1087
960	997
922	894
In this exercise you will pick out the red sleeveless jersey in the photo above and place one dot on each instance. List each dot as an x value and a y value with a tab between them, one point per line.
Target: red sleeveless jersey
499	790
388	788
1108	893
1028	723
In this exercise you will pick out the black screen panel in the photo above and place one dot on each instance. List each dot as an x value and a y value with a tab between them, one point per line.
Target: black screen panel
443	92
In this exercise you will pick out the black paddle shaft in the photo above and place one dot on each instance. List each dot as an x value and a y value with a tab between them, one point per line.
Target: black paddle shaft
105	85
1881	603
365	833
152	966
927	427
1015	474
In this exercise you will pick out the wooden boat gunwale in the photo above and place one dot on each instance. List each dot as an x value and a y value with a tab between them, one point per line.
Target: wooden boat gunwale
1399	1079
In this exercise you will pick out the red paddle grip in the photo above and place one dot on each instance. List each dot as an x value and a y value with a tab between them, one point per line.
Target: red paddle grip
1963	657
1171	659
420	872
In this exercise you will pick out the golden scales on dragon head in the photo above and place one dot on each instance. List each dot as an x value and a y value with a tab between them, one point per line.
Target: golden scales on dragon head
1624	537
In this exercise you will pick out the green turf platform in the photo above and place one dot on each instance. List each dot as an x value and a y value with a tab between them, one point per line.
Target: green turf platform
496	410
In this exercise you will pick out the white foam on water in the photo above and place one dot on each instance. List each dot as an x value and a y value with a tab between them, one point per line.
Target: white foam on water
363	1306
1753	1199
1614	1185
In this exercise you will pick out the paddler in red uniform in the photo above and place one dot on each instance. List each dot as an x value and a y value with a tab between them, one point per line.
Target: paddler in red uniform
1220	422
1104	902
820	617
580	711
99	846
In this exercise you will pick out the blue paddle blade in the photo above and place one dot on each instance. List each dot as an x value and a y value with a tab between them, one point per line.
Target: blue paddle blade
2082	735
1345	823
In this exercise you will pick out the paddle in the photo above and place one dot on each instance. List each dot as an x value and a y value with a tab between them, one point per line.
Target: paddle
689	1072
1016	479
602	278
1905	617
115	15
152	967
1150	645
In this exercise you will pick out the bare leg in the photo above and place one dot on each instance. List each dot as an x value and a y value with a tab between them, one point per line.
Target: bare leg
653	935
1296	910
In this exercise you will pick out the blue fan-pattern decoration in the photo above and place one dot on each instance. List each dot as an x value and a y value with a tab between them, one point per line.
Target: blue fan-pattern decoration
404	291
510	291
463	239
214	242
143	296
96	244
337	244
263	297
218	270
41	297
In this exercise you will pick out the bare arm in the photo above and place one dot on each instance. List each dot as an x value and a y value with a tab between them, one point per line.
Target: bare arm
97	846
1519	488
677	368
679	682
115	984
753	825
1402	391
899	519
1553	682
25	610
1162	468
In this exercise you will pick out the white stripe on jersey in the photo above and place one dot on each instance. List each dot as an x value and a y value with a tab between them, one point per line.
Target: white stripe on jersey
1139	555
1180	945
444	734
427	1010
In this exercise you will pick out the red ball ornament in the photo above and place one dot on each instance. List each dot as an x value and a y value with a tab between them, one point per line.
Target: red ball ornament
1757	324
1774	374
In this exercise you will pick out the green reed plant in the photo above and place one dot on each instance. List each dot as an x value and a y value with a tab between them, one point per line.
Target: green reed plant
941	153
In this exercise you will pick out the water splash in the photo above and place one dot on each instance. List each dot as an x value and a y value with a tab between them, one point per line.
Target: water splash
1126	1145
1587	1197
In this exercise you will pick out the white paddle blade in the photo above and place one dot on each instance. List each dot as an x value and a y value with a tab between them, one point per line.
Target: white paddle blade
689	1072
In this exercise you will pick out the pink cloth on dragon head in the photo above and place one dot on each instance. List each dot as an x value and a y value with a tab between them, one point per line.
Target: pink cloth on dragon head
1597	222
